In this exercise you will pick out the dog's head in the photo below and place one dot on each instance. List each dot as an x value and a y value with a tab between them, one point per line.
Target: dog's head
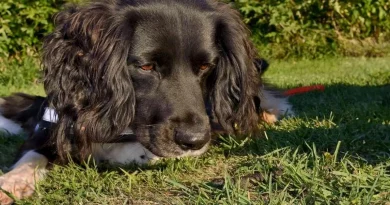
151	66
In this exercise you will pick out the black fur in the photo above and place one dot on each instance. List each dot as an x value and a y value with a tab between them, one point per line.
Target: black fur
93	77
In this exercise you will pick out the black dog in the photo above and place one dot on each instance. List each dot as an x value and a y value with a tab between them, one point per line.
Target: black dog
167	71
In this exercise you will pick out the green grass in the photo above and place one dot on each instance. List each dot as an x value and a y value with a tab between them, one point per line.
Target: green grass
20	75
335	151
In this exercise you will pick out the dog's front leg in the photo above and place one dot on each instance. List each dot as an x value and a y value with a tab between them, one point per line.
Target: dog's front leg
20	181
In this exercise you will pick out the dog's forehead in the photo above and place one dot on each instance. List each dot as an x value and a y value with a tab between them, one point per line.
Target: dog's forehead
178	29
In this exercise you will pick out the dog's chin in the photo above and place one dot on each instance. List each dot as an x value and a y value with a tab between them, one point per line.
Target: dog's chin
171	150
198	152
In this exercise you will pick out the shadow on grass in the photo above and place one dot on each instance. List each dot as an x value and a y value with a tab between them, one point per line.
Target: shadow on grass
358	117
8	149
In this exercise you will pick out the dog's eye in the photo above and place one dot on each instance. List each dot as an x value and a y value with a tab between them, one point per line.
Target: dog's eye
147	67
205	66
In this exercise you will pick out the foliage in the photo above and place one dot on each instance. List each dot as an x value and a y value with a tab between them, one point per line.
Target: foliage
23	23
19	72
319	27
281	28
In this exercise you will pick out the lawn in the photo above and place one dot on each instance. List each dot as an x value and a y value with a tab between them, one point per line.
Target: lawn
336	150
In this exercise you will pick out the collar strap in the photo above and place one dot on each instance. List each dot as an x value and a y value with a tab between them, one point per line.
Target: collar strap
50	116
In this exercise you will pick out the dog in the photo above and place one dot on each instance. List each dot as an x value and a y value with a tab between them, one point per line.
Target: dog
135	81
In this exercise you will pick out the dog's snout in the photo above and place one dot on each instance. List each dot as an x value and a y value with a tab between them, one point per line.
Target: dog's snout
188	140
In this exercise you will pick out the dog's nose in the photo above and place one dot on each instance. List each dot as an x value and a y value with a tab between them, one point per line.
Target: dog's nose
191	140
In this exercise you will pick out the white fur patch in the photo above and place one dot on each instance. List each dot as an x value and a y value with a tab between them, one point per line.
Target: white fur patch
131	152
9	126
32	159
279	106
20	181
122	153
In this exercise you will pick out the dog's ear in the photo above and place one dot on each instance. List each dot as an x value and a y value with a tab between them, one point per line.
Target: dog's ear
85	76
234	83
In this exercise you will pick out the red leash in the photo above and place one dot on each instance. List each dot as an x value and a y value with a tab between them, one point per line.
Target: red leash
304	89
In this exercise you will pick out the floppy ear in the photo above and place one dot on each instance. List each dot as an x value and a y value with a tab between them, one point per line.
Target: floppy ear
234	83
86	79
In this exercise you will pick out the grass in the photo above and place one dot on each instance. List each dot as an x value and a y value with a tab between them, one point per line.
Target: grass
20	75
335	151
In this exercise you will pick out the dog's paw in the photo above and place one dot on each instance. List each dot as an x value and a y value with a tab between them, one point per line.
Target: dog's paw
272	116
269	118
18	183
274	106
